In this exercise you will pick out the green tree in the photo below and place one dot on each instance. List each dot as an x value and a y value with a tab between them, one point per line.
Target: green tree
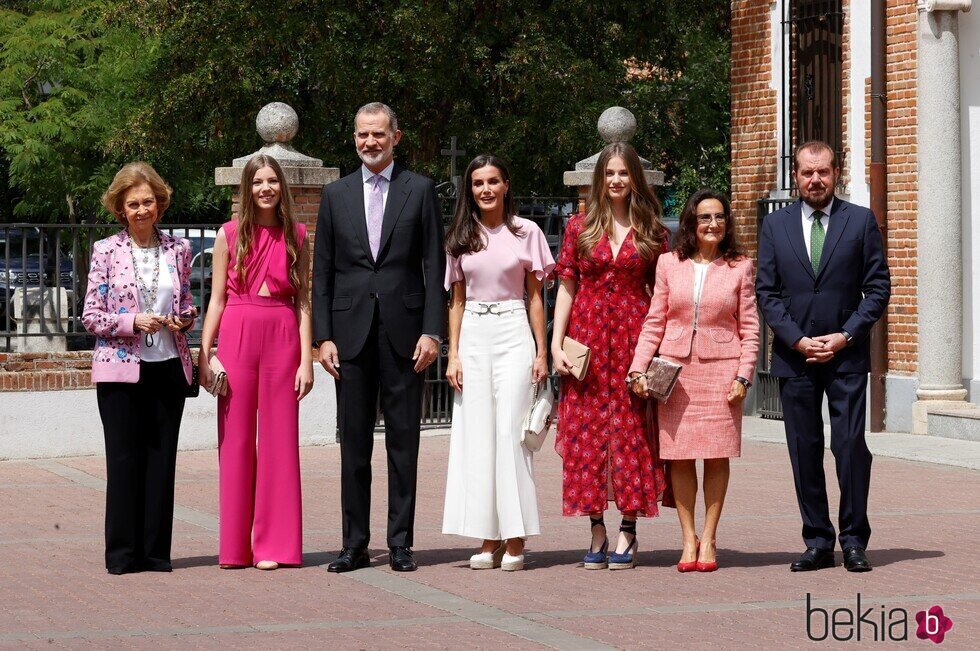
179	82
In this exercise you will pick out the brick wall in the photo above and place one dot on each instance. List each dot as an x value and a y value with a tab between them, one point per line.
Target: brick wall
45	371
901	28
753	115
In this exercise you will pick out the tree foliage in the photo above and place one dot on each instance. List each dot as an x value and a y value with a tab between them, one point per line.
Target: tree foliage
178	83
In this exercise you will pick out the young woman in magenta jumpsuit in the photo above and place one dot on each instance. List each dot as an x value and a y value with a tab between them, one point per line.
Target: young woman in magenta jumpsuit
606	265
260	302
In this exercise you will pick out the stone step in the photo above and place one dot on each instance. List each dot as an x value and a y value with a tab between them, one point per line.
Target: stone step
961	424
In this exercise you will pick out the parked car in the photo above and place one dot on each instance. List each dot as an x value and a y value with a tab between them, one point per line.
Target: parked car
200	278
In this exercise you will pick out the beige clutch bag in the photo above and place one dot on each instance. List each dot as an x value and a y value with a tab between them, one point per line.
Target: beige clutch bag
661	378
578	354
219	379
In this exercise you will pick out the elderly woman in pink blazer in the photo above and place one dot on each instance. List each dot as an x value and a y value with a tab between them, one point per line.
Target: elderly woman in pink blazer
702	316
138	305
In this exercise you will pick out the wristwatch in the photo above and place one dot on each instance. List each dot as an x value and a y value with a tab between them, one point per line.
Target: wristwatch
741	380
847	336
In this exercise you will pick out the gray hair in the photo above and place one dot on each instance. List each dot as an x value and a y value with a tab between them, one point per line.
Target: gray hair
378	107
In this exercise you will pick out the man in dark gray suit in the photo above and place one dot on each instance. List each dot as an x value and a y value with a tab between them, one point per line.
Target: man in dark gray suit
378	312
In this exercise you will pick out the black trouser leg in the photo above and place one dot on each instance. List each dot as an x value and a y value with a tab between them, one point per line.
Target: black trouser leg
121	421
847	397
357	400
401	403
802	399
140	423
165	407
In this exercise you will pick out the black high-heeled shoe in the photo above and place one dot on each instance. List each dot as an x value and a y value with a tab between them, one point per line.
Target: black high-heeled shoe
597	560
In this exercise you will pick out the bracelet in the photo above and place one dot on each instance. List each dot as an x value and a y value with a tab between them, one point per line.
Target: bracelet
741	380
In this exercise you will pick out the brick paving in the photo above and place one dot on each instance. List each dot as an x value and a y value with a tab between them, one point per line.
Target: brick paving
54	589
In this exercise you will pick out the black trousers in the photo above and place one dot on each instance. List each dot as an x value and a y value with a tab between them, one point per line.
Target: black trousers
802	399
141	422
378	369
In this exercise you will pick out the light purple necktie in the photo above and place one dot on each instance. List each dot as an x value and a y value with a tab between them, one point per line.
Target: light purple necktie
375	214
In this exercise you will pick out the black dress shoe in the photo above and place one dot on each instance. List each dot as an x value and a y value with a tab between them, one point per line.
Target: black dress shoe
350	559
813	559
856	560
401	560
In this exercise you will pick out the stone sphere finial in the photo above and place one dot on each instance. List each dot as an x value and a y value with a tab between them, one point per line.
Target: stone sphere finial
277	122
617	124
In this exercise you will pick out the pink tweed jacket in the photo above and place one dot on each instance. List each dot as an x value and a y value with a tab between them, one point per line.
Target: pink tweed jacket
111	306
728	323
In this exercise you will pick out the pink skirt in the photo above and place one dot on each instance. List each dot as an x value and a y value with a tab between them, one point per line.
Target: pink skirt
697	422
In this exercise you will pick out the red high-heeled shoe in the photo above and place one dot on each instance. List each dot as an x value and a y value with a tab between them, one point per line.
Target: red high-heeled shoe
707	566
693	565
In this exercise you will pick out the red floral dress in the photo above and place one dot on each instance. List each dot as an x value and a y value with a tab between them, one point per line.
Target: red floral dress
604	436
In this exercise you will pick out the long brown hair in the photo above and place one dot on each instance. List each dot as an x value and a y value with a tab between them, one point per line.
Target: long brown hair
464	234
686	238
644	207
247	215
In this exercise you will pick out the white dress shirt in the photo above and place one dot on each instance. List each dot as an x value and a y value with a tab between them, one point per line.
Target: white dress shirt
163	347
808	211
368	185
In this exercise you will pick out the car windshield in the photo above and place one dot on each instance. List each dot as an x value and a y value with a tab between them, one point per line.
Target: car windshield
15	241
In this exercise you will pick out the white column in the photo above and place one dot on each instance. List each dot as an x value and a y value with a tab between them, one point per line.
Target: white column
940	290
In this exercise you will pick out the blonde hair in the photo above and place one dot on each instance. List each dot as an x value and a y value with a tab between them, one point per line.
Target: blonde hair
644	207
247	215
131	175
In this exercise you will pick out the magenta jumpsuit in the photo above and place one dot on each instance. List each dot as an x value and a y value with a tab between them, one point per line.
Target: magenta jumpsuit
259	347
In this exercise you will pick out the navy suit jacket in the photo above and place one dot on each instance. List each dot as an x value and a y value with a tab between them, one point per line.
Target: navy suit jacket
850	290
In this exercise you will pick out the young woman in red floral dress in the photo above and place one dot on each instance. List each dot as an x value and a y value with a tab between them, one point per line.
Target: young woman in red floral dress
606	265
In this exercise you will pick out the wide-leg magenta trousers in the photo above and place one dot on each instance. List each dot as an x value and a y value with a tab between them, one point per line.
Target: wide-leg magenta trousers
261	513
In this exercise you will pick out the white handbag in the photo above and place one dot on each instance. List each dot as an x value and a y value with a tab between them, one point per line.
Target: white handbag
538	419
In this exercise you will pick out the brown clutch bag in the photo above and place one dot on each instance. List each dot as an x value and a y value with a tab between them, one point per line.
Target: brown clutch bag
661	378
578	354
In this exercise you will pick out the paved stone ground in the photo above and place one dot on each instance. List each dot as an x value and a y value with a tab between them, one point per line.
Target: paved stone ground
54	589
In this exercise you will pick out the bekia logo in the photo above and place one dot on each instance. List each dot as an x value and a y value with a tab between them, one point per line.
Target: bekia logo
933	624
873	623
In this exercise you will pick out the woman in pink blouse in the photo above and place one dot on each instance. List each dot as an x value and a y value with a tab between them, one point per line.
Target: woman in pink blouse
496	265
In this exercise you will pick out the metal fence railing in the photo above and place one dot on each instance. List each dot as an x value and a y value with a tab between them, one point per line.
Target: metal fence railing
767	402
44	273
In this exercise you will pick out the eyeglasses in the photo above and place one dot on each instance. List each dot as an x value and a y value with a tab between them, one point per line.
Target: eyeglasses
707	219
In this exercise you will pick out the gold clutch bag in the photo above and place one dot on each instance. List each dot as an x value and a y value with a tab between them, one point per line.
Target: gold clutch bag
661	377
578	354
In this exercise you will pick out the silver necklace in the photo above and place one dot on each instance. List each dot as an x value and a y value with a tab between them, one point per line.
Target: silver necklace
148	294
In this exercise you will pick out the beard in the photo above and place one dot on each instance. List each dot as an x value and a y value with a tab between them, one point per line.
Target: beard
375	157
818	198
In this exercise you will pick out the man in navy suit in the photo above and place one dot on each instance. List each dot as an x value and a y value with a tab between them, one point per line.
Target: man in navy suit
822	283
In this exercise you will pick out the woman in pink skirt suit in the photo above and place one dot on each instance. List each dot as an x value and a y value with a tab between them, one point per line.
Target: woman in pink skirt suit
703	316
261	303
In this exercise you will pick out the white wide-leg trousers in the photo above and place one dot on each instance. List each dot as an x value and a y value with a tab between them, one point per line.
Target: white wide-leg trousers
490	490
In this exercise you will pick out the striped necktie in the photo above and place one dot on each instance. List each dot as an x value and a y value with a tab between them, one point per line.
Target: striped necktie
816	240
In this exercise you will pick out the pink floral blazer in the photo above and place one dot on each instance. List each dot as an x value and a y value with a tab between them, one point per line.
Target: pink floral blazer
111	305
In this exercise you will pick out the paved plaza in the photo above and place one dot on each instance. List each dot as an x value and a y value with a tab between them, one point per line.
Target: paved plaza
54	589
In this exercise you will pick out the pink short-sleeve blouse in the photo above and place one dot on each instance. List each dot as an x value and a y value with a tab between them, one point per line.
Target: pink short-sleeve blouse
497	272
